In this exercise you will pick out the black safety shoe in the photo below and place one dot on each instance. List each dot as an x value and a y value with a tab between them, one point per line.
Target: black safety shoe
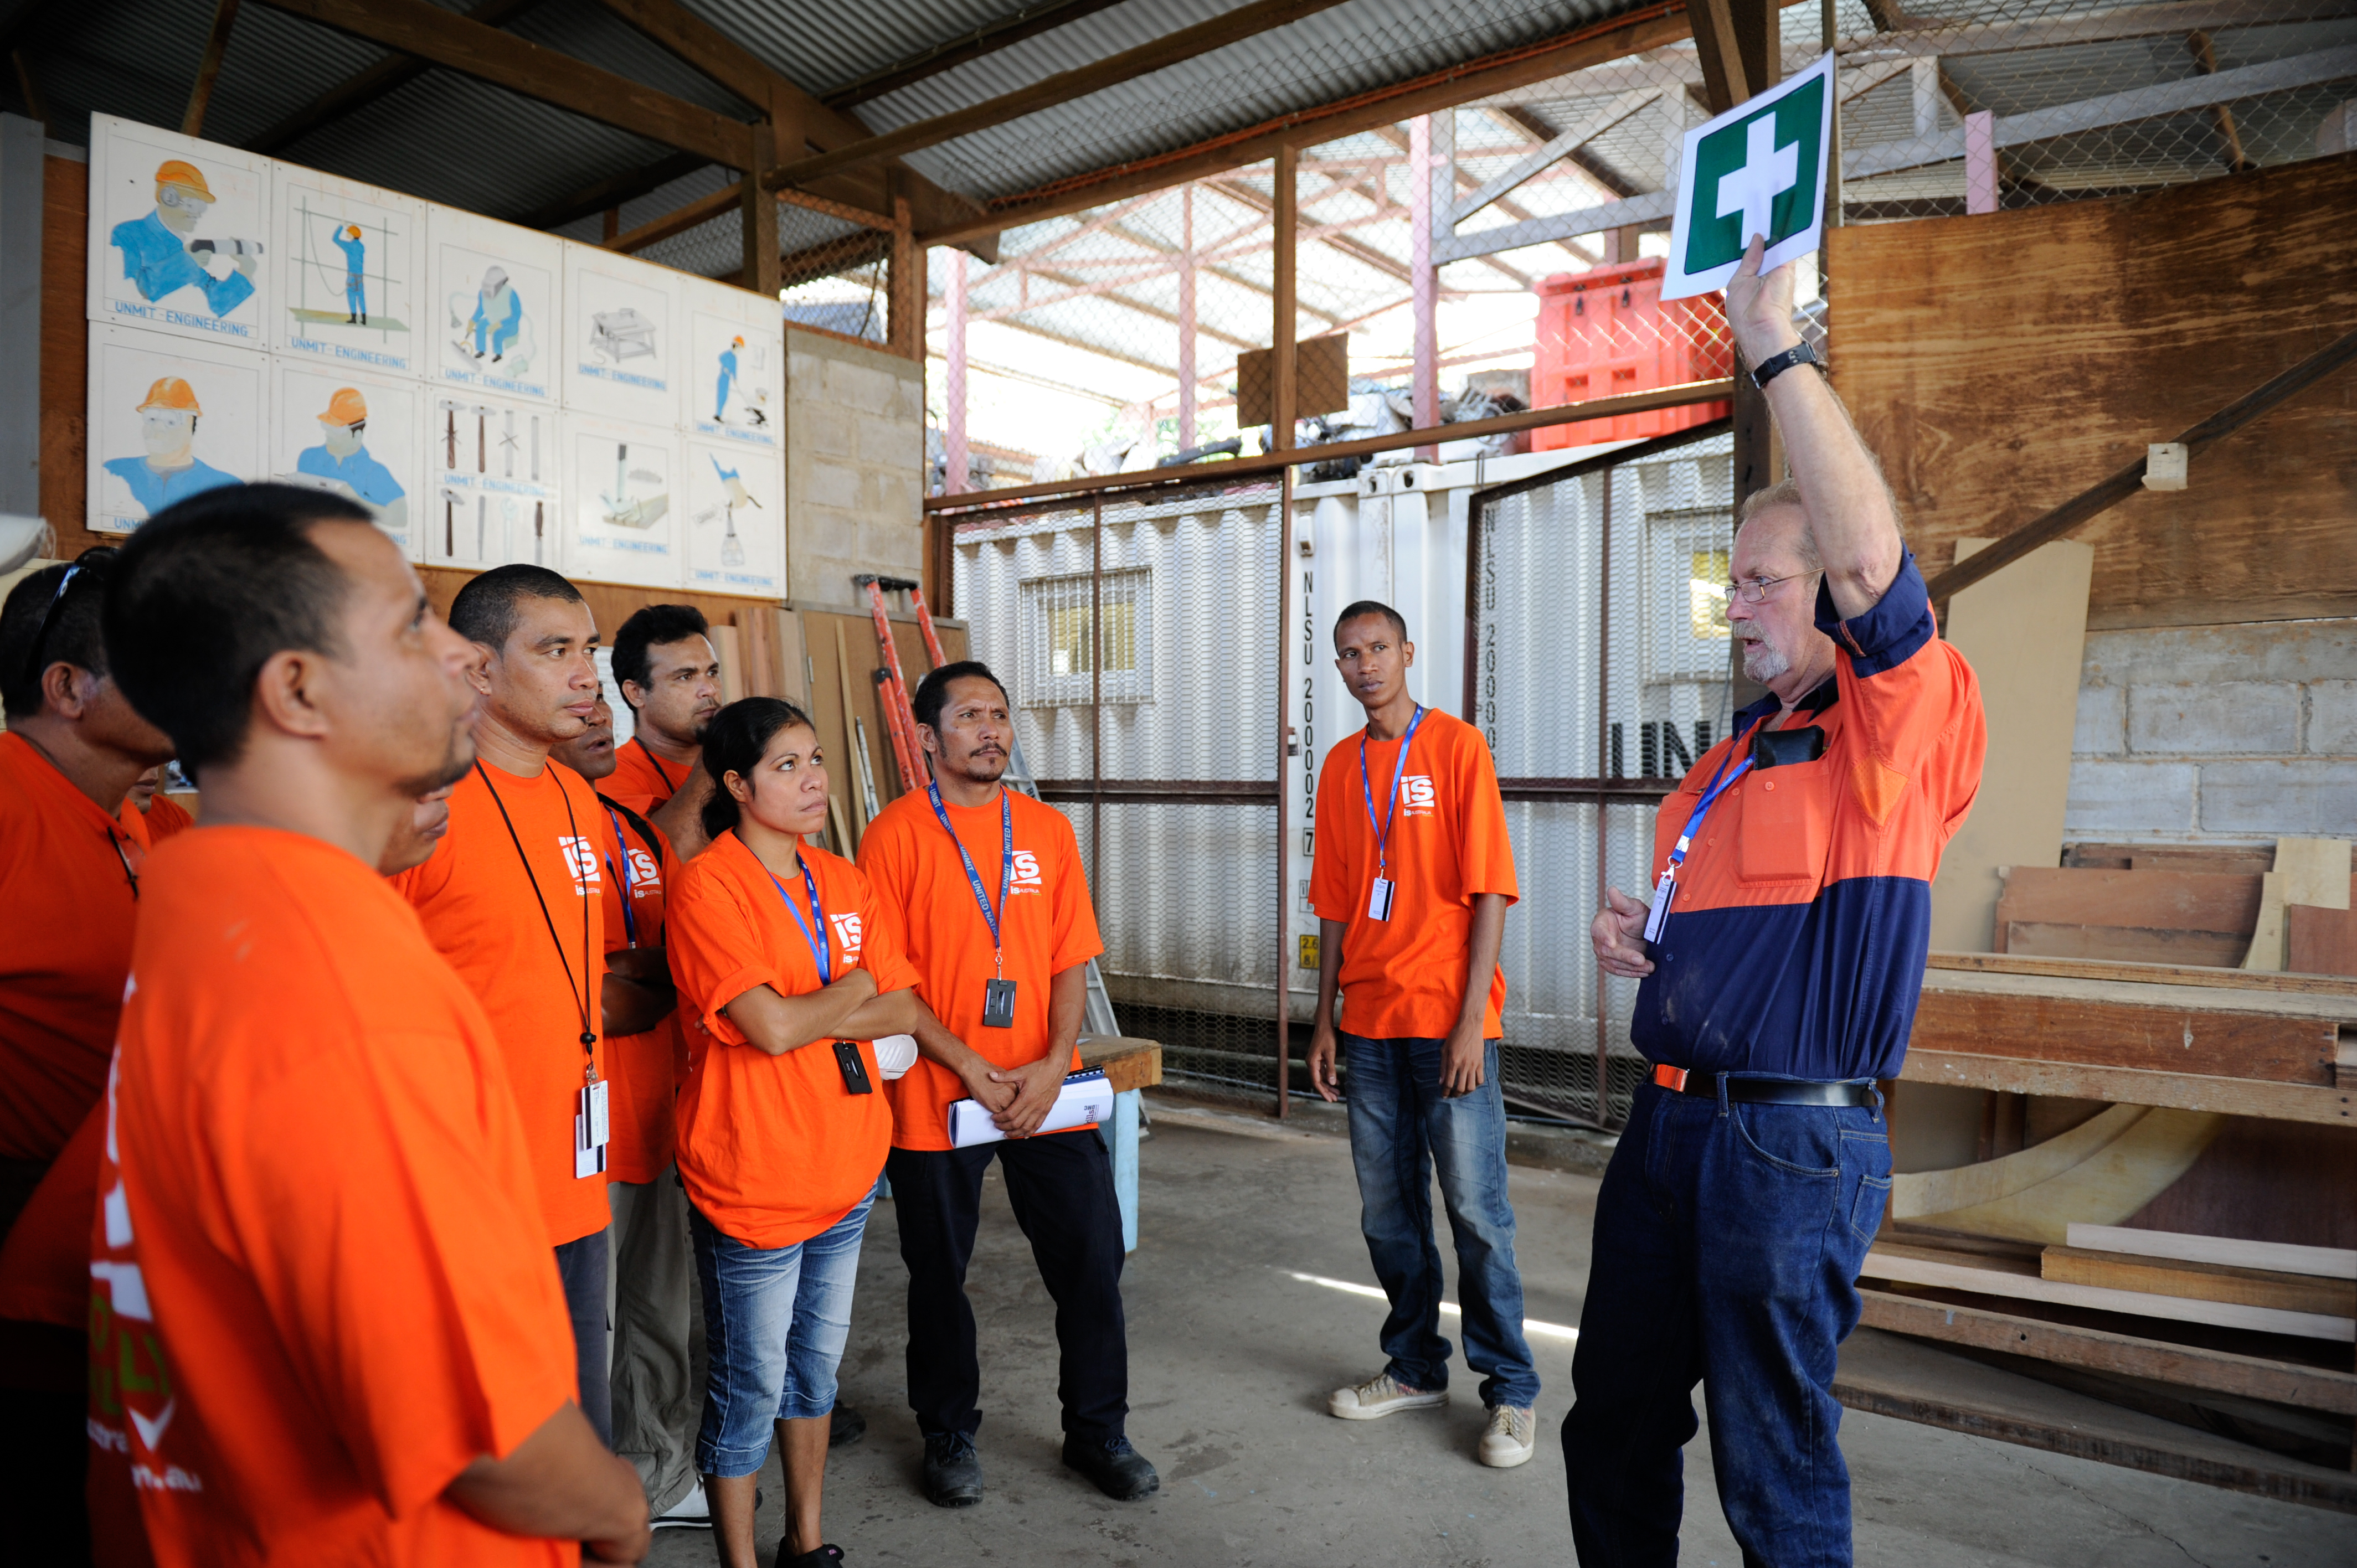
953	1471
823	1557
845	1426
1119	1471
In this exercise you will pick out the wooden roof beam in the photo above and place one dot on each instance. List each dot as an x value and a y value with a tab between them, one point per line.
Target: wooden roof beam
366	86
988	39
1244	22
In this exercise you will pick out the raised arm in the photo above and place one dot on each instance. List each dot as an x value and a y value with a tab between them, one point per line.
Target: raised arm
1851	518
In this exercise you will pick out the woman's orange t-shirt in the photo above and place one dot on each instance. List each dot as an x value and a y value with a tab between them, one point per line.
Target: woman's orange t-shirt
773	1150
321	1284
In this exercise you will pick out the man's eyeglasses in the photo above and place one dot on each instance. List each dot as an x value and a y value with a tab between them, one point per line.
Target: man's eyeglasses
1755	592
98	556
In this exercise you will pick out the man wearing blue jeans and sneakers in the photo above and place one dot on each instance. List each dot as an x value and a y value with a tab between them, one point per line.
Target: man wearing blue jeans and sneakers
1781	957
1411	881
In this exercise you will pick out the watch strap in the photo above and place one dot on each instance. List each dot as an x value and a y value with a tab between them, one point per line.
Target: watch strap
1776	365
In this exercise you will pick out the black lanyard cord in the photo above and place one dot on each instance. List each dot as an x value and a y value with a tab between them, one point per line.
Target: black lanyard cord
661	772
116	842
580	1002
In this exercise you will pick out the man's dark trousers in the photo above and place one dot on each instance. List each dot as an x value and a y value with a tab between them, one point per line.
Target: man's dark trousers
1061	1187
1729	1237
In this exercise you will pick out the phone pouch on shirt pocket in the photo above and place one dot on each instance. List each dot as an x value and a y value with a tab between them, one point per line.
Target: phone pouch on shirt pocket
1787	824
1776	748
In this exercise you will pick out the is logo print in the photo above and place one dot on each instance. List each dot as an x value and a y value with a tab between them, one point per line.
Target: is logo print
848	933
581	857
645	872
1026	872
1417	793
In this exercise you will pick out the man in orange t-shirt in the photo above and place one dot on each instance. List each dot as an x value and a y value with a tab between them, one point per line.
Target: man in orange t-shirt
986	889
514	898
656	1403
150	816
670	677
1411	881
69	881
325	1326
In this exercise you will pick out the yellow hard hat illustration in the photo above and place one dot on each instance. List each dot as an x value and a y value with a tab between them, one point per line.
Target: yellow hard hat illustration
171	392
172	171
347	407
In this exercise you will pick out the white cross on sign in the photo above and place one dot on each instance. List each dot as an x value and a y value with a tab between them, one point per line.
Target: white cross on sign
1767	172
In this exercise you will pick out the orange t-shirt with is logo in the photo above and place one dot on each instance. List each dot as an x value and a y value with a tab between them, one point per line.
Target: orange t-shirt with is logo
1404	977
320	1285
485	914
647	1067
774	1150
1046	924
642	780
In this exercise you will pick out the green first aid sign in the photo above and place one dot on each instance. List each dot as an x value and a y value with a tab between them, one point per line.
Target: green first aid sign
1760	168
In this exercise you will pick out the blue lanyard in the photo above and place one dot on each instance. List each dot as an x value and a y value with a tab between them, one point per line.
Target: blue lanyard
629	888
974	877
1717	787
821	953
1367	788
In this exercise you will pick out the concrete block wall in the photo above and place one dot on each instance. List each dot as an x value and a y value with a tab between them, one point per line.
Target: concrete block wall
2220	734
854	467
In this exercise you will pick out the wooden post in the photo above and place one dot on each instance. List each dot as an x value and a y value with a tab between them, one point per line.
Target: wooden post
1733	37
1826	31
1429	193
1186	317
953	393
1097	697
1603	773
1285	223
200	96
761	272
904	320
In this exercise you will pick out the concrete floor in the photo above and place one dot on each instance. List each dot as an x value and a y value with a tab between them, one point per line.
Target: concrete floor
1232	1357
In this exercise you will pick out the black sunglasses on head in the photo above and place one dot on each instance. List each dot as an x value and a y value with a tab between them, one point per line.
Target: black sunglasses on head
98	557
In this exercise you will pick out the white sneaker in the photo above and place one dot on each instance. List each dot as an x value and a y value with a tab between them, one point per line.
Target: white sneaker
1512	1437
1377	1397
691	1512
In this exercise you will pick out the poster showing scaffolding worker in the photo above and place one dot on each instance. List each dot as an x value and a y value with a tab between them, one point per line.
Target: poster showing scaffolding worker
493	466
735	501
170	418
621	336
177	233
348	285
622	518
352	436
491	311
734	386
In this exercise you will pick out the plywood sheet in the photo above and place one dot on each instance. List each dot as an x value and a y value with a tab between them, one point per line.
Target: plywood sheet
2154	900
2200	1281
2000	364
2024	631
2322	941
2165	1029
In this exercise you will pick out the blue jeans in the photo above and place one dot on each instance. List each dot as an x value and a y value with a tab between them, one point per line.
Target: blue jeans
1402	1131
1728	1238
774	1327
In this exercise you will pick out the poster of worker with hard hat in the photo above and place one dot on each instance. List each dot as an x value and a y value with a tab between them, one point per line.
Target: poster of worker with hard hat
735	519
177	233
350	262
168	419
353	436
492	297
734	385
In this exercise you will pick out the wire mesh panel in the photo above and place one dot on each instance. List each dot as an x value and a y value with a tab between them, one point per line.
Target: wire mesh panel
1600	675
1138	640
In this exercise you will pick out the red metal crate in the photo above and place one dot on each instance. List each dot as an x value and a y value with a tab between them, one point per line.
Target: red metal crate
1607	332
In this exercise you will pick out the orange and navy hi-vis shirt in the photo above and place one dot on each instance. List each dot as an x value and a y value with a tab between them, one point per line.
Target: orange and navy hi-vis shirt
320	1282
647	1069
1404	977
774	1150
922	889
66	879
641	779
483	912
1796	939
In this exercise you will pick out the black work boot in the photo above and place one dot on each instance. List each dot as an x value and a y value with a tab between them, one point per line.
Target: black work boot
844	1424
953	1471
1119	1471
822	1557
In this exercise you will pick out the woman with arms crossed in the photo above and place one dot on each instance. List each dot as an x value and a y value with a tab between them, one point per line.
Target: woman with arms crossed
788	974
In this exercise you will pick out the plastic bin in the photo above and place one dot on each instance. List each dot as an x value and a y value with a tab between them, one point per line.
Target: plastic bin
1607	332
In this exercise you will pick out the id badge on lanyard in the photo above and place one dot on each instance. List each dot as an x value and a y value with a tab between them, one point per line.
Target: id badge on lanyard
1380	894
846	1052
998	994
1665	891
592	1129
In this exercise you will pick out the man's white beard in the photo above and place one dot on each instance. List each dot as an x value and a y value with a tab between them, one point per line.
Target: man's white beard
1761	661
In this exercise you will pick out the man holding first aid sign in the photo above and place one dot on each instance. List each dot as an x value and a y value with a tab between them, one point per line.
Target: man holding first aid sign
1781	953
1411	881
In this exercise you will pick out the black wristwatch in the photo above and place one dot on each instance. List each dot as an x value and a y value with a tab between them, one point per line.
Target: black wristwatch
1776	365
